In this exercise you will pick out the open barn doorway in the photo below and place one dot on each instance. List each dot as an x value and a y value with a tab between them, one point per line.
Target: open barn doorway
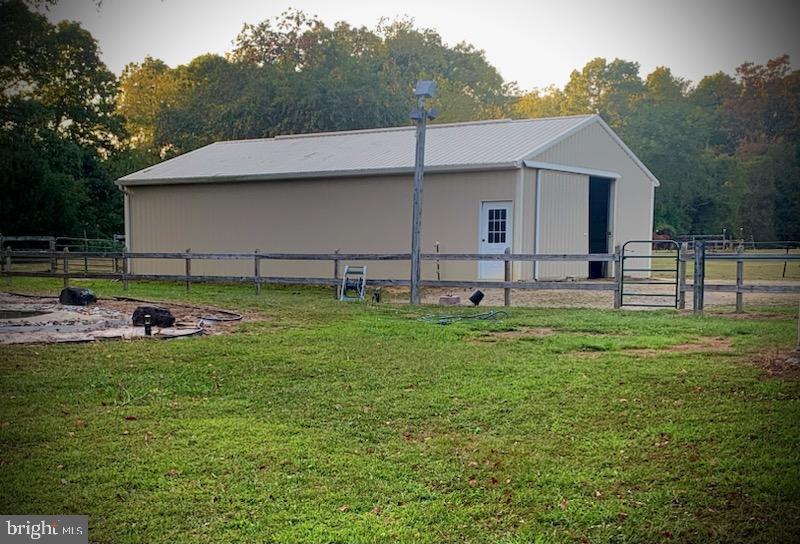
599	232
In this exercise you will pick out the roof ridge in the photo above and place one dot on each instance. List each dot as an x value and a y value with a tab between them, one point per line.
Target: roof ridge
403	128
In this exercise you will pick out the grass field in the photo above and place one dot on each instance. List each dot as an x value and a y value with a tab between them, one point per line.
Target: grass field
327	422
753	270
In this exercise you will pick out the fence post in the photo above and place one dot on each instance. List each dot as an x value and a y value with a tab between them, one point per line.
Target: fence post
53	260
699	276
739	280
618	277
507	277
188	271
336	276
66	266
257	272
783	275
125	268
85	258
8	265
682	251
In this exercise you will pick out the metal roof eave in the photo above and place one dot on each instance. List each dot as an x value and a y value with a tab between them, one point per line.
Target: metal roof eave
571	169
125	181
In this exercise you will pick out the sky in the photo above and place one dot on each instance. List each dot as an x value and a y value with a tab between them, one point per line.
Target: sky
533	42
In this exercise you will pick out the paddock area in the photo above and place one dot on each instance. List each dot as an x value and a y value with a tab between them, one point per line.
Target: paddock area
317	421
530	298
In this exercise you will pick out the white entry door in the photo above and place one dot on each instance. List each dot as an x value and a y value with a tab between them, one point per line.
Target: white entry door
495	236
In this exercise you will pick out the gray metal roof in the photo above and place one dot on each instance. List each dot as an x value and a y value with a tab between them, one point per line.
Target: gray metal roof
449	147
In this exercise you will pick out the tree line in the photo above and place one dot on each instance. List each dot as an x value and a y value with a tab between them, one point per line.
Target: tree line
725	149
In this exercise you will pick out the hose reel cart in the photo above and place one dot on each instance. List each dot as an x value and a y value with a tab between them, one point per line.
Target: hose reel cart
354	283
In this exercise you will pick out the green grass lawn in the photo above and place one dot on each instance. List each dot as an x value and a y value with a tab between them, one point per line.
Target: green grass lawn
726	270
328	422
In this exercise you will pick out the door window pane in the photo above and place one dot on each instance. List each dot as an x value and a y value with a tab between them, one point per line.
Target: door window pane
497	226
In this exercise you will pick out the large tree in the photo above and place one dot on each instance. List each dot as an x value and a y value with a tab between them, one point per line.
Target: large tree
607	88
294	74
58	125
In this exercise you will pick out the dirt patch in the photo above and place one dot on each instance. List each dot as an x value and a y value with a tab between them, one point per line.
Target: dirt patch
523	333
515	334
587	353
31	319
707	345
751	316
779	363
560	298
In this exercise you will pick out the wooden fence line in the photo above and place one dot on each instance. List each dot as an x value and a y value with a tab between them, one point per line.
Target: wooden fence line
27	238
601	257
698	286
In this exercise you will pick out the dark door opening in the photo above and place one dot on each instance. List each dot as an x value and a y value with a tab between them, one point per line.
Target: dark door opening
599	201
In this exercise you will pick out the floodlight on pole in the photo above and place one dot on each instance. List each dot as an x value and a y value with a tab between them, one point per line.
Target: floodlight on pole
420	115
425	88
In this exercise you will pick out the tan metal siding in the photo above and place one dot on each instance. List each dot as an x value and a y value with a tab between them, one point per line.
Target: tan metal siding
593	148
358	215
524	221
564	223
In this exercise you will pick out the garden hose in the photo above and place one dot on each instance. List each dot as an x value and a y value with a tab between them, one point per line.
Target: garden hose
447	319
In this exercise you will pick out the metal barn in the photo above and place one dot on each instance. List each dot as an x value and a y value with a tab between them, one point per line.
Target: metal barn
554	185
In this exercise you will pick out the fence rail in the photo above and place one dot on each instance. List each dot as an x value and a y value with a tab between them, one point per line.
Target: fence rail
530	257
122	260
120	269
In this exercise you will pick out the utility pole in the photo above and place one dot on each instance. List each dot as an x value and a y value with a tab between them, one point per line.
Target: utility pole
423	90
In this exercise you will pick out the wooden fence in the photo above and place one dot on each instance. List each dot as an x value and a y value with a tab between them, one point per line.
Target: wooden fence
699	285
61	265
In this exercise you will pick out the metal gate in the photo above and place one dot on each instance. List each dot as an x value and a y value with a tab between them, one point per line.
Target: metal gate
626	254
